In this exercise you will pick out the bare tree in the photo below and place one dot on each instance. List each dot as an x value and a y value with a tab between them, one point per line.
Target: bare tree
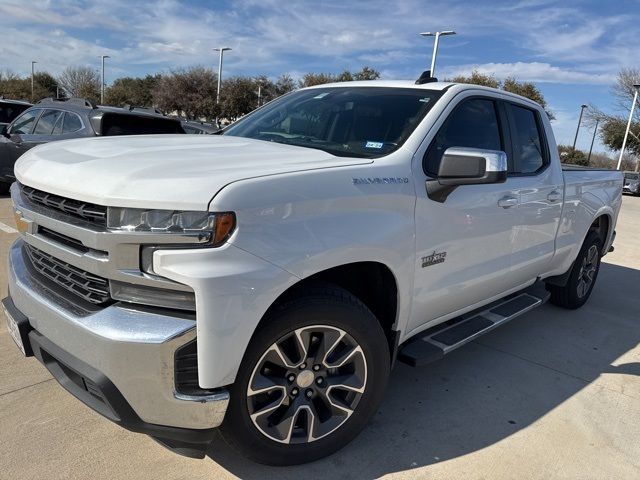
190	92
80	81
284	84
623	89
613	127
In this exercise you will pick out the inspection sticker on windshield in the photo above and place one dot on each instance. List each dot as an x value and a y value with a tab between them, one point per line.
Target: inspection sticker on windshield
374	145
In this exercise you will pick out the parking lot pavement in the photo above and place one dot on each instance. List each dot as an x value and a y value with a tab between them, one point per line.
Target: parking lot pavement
553	394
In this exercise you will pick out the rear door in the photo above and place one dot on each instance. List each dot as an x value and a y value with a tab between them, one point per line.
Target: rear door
540	188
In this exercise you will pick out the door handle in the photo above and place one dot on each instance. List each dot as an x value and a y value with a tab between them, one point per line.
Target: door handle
508	202
554	196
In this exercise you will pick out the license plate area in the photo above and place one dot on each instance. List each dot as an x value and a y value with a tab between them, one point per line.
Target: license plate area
18	326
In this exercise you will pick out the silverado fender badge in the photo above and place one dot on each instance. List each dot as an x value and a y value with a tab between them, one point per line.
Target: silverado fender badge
433	259
379	180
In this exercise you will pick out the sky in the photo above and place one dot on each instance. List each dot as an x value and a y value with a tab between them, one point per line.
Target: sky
571	49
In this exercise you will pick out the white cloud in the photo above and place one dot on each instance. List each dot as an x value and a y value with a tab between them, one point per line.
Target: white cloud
539	40
533	72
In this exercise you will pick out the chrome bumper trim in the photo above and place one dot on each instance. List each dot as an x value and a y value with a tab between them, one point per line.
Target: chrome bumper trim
133	349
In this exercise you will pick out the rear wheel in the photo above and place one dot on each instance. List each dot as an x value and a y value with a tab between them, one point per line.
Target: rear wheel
311	379
582	277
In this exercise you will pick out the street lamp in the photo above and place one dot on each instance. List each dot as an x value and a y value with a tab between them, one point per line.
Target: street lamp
259	93
221	50
102	86
575	139
626	133
435	46
32	74
593	139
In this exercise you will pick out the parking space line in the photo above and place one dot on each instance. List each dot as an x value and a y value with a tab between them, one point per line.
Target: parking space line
6	228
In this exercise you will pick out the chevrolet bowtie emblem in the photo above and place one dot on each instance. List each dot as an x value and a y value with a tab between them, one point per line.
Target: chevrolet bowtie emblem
22	225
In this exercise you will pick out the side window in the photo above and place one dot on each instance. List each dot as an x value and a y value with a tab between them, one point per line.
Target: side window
24	123
528	146
72	123
473	123
57	128
46	122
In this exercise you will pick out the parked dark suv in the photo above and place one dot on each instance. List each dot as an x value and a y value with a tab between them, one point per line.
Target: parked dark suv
51	120
10	109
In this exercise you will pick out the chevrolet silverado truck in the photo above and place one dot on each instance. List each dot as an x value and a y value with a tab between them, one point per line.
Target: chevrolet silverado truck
263	281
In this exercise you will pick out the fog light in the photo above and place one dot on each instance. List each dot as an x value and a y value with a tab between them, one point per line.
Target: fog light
157	297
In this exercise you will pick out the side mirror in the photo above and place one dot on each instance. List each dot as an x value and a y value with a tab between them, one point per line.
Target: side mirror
472	166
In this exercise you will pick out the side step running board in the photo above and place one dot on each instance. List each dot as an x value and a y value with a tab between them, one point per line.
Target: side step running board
444	338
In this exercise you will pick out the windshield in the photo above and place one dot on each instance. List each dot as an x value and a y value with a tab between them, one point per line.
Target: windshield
345	121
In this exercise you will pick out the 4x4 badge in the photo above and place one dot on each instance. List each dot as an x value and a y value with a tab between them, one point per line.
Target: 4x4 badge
433	259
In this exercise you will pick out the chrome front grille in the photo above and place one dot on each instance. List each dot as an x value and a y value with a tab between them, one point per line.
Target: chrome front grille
96	214
90	287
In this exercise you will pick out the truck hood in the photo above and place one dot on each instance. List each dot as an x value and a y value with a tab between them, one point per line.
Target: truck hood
177	172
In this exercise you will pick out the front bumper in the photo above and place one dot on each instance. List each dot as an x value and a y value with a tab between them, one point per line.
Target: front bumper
631	188
126	353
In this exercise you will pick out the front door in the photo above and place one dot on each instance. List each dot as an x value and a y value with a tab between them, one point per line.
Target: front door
464	241
20	136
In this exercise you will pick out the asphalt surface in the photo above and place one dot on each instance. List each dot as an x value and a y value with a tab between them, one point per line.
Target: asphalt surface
553	394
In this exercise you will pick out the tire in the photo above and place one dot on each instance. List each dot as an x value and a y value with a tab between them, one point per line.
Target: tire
324	332
582	277
4	188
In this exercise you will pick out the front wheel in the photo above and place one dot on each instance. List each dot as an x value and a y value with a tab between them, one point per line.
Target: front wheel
311	378
582	277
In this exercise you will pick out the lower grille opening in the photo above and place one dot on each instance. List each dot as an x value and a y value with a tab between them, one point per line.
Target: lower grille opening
92	288
186	369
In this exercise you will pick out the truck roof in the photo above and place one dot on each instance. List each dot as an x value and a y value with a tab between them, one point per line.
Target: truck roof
438	86
388	83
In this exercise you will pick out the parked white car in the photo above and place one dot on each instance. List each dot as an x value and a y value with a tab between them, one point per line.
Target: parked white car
265	280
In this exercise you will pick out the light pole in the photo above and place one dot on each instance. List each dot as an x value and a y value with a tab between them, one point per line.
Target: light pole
575	139
626	133
435	46
259	93
102	86
32	74
221	50
593	140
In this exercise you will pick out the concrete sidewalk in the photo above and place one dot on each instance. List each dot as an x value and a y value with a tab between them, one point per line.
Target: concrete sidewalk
554	394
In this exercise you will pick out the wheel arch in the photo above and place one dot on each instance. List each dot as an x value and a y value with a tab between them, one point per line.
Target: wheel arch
602	226
373	283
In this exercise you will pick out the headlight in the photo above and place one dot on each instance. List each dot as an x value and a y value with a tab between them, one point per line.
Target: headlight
217	226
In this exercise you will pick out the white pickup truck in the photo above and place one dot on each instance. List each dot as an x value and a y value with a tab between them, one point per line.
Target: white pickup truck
265	280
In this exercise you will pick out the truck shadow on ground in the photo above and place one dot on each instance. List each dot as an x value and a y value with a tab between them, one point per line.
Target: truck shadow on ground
487	390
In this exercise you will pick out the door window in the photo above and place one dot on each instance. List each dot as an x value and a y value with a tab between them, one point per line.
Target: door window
473	123
72	123
46	122
528	145
24	123
57	128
